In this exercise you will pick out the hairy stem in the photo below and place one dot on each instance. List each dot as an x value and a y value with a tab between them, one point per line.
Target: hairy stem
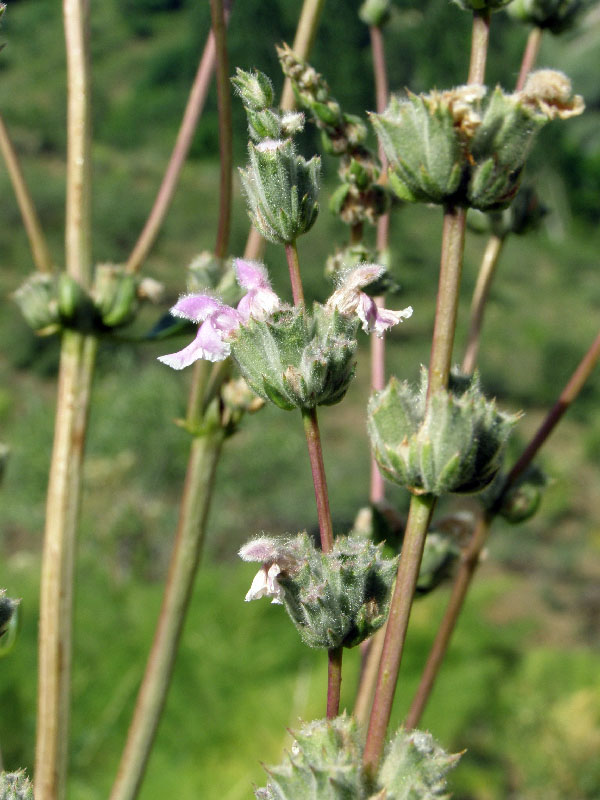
368	677
419	516
74	384
315	452
291	252
468	565
37	241
487	271
195	504
453	242
377	344
58	557
530	55
193	110
479	47
470	558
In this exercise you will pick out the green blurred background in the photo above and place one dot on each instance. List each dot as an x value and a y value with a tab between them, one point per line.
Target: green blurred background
520	689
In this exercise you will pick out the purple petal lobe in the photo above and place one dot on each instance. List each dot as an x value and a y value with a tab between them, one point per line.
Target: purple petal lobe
196	307
251	274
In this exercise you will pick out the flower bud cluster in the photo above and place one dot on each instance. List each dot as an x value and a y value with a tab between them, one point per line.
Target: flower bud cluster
281	187
15	786
555	16
334	599
325	764
52	302
452	443
360	197
468	146
292	356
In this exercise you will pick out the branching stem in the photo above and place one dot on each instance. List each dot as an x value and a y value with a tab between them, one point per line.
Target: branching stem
37	241
530	55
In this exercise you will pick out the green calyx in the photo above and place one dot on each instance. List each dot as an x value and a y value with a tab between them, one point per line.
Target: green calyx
375	13
298	358
453	443
264	122
335	599
467	146
115	295
325	764
281	190
15	786
555	16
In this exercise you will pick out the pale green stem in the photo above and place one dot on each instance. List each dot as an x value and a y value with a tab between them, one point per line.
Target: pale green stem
485	278
56	590
74	385
479	47
37	241
419	516
470	559
291	252
197	495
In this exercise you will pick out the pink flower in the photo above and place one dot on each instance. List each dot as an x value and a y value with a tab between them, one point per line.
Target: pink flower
218	320
349	299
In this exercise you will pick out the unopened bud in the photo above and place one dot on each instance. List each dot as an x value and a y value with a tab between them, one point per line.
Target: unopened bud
375	13
115	294
452	443
556	16
254	88
281	190
38	300
298	359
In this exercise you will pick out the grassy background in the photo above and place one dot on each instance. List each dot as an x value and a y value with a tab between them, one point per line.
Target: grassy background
520	687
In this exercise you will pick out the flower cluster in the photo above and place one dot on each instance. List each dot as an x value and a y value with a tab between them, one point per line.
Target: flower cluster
220	324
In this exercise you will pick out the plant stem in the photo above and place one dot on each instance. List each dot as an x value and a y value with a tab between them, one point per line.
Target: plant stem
225	133
479	47
334	681
74	384
377	485
421	506
315	452
368	677
193	110
530	55
487	271
291	252
56	589
195	503
303	42
468	565
37	241
453	242
470	558
419	516
196	498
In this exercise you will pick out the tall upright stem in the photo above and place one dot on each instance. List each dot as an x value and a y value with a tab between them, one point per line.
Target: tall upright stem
193	110
195	504
487	271
74	384
37	241
377	485
421	506
470	558
530	55
453	242
419	516
479	47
